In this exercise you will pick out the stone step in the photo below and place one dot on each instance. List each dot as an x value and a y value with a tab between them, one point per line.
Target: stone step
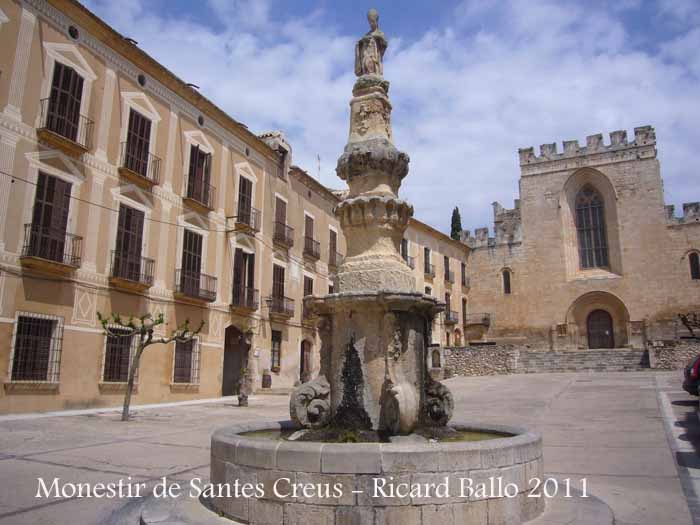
613	360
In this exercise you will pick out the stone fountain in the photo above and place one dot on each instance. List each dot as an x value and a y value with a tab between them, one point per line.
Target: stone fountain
369	440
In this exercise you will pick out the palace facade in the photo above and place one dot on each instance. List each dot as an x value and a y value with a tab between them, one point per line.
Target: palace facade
123	189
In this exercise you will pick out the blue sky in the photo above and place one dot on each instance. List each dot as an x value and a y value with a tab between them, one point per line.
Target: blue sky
472	81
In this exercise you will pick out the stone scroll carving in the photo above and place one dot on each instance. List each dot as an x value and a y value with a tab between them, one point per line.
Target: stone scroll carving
439	403
310	404
399	410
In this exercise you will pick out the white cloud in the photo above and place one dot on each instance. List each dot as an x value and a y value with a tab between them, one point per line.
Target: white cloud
465	96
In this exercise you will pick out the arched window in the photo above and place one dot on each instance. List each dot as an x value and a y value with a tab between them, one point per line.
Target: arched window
590	225
436	358
506	282
694	260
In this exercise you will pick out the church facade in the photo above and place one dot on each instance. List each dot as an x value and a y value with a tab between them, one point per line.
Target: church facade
590	256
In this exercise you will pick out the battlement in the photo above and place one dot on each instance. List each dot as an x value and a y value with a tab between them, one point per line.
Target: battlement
507	227
691	214
643	136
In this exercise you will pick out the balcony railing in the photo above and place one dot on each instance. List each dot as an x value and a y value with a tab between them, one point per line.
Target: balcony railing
245	298
200	192
411	261
334	259
476	319
429	270
451	317
312	248
195	285
449	276
248	218
140	163
57	118
283	234
52	244
132	267
281	306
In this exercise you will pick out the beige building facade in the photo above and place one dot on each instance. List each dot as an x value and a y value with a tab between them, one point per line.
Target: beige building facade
590	256
122	189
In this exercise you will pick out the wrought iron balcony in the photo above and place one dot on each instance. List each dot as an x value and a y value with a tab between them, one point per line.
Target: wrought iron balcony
139	166
247	219
51	248
245	298
280	306
451	317
195	285
429	270
477	319
131	270
63	128
411	261
449	276
200	193
334	259
283	234
312	248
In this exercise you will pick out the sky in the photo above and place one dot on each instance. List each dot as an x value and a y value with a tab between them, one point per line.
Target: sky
471	81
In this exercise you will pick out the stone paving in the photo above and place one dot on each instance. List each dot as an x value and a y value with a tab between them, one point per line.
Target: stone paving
634	436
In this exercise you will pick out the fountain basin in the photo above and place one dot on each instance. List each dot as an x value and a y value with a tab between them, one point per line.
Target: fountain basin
348	483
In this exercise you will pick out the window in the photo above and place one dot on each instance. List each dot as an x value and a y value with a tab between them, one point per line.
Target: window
198	187
244	292
447	338
446	263
506	282
138	138
127	253
37	351
334	257
694	260
464	310
435	356
186	367
426	260
311	246
117	356
282	154
590	225
331	288
448	301
245	200
404	249
190	275
308	286
428	290
277	281
63	112
47	237
276	353
464	274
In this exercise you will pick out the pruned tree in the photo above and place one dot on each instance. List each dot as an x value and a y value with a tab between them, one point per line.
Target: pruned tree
692	323
143	328
456	227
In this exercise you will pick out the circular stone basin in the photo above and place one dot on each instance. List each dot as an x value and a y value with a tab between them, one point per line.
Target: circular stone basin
478	482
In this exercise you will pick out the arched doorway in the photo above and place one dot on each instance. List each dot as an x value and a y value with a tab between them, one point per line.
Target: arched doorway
435	359
599	326
235	359
305	361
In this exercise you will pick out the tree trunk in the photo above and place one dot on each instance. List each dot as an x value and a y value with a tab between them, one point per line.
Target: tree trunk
130	382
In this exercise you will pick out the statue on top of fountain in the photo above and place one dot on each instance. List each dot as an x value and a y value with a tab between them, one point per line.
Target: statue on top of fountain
369	50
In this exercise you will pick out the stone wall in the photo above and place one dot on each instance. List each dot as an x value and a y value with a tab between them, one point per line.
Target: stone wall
672	355
480	360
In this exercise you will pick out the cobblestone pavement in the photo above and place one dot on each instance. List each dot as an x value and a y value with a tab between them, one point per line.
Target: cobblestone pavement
635	437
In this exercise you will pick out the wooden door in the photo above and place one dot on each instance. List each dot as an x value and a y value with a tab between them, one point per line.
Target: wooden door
600	330
191	263
127	259
64	105
50	217
277	281
138	137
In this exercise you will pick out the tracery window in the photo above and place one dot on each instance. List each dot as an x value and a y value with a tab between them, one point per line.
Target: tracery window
590	225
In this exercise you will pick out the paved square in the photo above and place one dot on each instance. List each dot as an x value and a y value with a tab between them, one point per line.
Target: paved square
634	436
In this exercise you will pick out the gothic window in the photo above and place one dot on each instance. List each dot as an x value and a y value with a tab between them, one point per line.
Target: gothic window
506	282
694	260
590	225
